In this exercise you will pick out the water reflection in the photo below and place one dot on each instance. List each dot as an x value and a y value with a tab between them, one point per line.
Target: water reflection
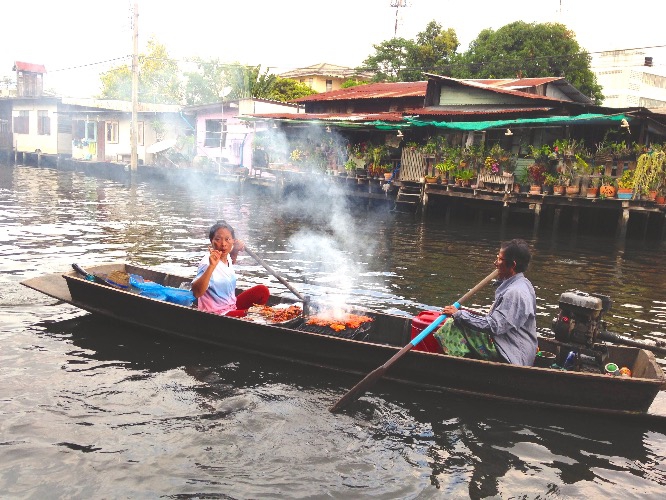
127	390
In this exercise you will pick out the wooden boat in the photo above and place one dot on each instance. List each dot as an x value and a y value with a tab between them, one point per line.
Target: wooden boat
545	387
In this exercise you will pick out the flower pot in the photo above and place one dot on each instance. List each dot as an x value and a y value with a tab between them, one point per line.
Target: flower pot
546	189
660	199
430	180
387	175
572	190
592	192
535	189
559	190
652	195
607	191
625	193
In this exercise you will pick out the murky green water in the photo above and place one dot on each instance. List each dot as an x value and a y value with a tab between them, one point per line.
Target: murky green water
92	408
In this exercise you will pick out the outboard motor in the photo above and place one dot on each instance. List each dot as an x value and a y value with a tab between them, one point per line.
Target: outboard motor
577	326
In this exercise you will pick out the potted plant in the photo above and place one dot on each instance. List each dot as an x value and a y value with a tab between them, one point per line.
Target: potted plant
593	187
649	173
549	182
465	176
446	168
607	188
350	166
625	185
388	171
537	174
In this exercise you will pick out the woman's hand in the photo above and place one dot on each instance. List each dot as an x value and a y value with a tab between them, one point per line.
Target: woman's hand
214	258
239	246
449	310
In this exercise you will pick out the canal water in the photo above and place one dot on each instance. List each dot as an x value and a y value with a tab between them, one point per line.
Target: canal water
92	408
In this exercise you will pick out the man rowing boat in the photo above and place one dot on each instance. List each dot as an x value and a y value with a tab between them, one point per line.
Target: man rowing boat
508	332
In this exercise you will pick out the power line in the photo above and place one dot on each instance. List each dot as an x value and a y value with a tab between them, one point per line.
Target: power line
452	65
90	64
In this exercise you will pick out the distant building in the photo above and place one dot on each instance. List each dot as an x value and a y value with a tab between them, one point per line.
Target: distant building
325	77
630	79
29	79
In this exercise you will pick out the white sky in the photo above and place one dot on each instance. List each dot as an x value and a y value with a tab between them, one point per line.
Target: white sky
70	36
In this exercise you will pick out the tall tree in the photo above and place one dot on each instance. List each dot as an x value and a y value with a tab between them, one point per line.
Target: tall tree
404	60
286	89
206	84
529	50
158	78
390	60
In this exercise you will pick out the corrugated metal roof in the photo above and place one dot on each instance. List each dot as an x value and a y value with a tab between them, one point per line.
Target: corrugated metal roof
117	105
489	88
326	69
32	68
331	117
475	111
371	91
516	82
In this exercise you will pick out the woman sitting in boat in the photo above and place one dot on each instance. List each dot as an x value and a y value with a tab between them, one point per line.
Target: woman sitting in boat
215	283
508	332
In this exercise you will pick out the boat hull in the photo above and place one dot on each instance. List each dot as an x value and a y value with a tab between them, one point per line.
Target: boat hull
530	385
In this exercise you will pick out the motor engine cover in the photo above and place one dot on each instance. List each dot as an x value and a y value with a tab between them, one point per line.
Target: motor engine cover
579	317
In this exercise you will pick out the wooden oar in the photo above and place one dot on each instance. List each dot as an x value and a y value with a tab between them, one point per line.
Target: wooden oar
275	273
378	373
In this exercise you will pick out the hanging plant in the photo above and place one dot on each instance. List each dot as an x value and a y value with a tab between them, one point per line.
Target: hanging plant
649	174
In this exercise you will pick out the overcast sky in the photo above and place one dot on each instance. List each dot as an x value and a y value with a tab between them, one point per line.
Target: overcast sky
74	38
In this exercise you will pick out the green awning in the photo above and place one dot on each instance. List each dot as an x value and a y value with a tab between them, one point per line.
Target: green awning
588	118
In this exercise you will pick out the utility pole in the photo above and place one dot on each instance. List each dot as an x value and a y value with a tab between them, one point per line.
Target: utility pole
135	87
397	4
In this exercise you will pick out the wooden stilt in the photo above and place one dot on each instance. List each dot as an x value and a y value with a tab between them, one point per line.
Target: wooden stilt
575	221
622	224
556	220
537	218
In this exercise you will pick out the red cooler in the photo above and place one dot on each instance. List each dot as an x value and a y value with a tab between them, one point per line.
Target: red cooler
421	321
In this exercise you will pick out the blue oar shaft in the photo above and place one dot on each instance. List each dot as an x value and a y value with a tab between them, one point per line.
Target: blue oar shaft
426	331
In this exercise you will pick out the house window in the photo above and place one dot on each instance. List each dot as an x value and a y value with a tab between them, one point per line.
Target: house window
139	133
216	134
82	129
112	132
91	131
43	122
22	122
329	85
64	124
310	82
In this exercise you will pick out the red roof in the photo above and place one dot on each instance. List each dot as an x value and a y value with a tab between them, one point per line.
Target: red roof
517	82
332	117
371	91
461	111
29	67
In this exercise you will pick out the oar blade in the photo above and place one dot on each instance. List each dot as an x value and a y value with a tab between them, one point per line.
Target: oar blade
358	390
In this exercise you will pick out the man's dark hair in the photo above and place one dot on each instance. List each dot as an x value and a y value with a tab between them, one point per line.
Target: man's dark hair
219	225
517	251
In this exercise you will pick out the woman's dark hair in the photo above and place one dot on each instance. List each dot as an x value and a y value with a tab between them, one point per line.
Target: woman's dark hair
519	252
220	224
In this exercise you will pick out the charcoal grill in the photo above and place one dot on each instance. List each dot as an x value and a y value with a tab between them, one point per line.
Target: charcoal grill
360	333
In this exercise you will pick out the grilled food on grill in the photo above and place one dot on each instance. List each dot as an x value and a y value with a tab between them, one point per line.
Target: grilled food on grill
276	314
339	323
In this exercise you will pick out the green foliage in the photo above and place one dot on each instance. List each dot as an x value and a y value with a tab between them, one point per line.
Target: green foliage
286	89
206	84
405	60
529	50
390	60
248	81
650	173
626	180
158	78
352	82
